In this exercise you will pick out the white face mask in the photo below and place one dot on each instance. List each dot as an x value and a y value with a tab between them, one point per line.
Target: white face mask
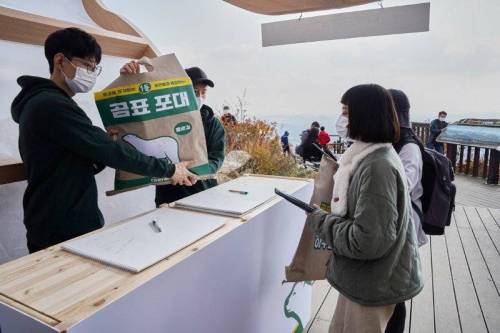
442	118
200	100
341	126
82	82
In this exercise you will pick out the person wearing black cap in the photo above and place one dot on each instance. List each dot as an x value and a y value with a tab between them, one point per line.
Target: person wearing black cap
214	135
409	150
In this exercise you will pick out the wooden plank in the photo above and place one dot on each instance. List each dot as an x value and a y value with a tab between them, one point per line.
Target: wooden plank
492	228
485	162
461	159
469	310
445	306
475	166
489	251
11	172
33	29
473	192
29	311
296	6
495	214
484	282
422	311
493	167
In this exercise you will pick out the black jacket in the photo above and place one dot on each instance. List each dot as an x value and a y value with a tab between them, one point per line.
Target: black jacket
62	151
214	135
436	128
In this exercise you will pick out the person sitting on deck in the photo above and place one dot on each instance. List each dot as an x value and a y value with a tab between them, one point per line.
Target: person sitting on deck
437	126
62	150
375	262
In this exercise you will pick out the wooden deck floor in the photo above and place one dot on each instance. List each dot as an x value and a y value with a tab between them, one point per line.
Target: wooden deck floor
474	193
461	271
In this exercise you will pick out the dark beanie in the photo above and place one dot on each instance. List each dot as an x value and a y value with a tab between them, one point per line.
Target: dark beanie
402	105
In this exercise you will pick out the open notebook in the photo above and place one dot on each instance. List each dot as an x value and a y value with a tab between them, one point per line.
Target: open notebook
138	244
239	196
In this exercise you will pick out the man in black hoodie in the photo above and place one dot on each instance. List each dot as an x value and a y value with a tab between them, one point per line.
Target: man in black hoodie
62	150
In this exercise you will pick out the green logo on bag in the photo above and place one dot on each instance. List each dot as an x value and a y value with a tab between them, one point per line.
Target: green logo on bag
145	88
183	128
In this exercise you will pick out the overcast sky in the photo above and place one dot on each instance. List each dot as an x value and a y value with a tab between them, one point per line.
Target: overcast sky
455	66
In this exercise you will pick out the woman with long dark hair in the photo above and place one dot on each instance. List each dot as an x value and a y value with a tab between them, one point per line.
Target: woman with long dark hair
375	263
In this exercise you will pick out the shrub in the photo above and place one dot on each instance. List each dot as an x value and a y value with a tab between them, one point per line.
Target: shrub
260	139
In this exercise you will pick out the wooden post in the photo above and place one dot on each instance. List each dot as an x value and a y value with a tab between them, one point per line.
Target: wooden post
467	162
475	165
493	169
485	162
461	160
451	153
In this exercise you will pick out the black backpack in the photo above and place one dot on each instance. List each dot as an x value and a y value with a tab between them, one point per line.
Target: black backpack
438	199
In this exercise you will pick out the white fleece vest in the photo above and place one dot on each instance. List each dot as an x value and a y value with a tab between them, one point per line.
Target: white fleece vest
348	163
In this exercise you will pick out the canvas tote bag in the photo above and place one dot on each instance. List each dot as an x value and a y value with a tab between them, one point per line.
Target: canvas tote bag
312	254
155	112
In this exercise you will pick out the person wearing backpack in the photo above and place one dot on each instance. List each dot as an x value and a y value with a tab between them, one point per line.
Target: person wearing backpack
409	152
285	144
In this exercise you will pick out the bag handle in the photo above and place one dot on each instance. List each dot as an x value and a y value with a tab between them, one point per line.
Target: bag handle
147	63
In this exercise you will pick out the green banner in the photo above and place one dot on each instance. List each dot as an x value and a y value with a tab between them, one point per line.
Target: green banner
149	105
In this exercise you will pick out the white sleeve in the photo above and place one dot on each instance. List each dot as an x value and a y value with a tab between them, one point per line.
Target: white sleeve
411	158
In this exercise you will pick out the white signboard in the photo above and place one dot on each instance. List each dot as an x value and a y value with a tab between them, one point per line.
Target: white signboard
375	22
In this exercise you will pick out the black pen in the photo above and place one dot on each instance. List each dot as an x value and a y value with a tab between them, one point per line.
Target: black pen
240	192
156	226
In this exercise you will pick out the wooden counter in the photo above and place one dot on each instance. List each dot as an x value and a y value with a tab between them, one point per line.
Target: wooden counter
59	289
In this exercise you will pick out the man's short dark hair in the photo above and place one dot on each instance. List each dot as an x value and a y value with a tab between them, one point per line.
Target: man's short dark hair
322	128
442	112
372	116
72	42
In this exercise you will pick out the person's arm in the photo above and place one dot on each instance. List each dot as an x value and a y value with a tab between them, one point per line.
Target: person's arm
72	129
215	145
371	232
411	157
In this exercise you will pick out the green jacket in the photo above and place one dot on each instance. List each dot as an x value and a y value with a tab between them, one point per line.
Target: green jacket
62	151
375	257
214	136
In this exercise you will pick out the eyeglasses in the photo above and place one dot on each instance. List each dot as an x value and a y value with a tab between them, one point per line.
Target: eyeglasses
91	69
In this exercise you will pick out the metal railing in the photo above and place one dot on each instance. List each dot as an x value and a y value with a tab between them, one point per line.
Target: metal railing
469	160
